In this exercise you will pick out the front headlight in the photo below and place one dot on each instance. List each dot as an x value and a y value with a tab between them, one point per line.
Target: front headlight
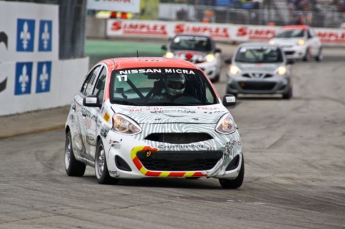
271	42
301	42
281	70
209	57
233	69
125	125
226	125
169	55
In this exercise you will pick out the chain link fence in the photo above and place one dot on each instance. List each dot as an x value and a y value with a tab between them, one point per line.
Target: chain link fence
72	26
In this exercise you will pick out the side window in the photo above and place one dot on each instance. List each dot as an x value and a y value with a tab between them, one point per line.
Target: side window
90	81
99	89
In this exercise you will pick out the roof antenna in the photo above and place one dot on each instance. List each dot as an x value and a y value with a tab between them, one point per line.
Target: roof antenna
137	53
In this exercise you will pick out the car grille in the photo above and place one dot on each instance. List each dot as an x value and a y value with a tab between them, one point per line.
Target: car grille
179	161
289	52
257	75
179	138
264	86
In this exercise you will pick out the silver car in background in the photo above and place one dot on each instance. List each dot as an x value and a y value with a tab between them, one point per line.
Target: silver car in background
259	68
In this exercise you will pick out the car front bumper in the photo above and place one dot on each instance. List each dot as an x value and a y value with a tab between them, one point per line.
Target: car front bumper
273	85
295	52
212	158
210	69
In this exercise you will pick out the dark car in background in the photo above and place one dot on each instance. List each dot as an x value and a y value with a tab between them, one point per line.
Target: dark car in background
198	49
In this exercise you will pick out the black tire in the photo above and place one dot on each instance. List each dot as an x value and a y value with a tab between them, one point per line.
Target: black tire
216	79
236	183
319	56
288	94
73	167
101	168
307	55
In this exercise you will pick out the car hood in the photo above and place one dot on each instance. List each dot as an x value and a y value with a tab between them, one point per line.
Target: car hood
258	66
286	41
172	114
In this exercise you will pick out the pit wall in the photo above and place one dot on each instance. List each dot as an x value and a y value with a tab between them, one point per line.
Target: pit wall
32	77
117	28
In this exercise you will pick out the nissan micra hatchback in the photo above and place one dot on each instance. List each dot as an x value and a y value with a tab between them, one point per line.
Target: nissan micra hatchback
259	68
152	117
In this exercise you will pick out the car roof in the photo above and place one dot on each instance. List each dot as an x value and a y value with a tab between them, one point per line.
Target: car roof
147	62
292	27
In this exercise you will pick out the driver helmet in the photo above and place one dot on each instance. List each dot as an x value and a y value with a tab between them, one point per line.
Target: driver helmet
175	84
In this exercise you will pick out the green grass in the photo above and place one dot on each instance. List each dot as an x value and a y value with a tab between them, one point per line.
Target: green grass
121	48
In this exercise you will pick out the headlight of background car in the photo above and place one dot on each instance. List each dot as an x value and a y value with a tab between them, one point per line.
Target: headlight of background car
226	124
271	42
125	125
209	57
301	42
233	69
281	70
169	55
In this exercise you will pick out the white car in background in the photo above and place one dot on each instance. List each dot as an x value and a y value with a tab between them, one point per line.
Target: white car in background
299	42
200	50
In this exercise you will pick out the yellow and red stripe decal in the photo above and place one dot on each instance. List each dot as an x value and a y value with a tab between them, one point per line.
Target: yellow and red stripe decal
149	173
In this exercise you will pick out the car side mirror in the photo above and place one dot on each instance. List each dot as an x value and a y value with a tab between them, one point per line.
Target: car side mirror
218	50
228	60
92	101
164	47
229	100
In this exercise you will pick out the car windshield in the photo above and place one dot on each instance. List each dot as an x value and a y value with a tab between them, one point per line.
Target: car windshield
161	86
296	33
259	54
196	43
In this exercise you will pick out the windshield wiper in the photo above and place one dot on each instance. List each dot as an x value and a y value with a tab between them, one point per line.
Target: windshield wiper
124	102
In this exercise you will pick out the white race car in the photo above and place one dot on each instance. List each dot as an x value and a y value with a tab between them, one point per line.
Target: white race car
198	49
152	117
299	42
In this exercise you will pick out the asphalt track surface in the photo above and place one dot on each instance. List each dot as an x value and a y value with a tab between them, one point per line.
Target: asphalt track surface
294	154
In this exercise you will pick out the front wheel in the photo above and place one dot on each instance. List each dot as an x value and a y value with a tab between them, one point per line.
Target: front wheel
236	183
101	168
307	55
288	94
72	166
319	56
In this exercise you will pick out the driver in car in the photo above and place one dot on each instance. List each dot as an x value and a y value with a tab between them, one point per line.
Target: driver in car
174	86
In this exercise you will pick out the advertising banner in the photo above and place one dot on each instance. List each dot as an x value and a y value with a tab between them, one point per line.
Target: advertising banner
219	32
132	6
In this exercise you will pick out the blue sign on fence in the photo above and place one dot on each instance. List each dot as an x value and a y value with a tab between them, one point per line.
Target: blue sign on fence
25	35
23	78
45	36
43	76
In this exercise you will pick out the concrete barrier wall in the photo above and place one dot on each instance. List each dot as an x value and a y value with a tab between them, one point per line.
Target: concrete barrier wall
31	75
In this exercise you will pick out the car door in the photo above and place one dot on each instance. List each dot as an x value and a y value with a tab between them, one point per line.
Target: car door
314	42
94	122
84	114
